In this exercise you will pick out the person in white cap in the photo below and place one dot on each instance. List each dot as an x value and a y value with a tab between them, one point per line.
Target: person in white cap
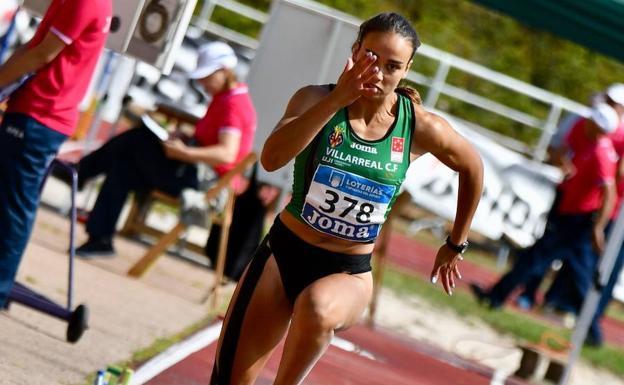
614	96
575	231
137	160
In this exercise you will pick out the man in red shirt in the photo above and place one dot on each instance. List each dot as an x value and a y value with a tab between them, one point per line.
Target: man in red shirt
558	295
585	205
40	115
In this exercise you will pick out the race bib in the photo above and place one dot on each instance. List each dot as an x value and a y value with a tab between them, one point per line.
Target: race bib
346	205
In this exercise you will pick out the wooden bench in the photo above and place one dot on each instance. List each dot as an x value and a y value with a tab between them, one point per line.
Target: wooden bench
136	223
541	362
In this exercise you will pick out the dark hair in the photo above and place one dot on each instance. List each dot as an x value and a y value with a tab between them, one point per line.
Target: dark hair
393	22
390	22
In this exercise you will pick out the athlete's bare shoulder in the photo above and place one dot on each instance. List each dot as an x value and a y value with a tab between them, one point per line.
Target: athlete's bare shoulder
431	131
303	100
309	95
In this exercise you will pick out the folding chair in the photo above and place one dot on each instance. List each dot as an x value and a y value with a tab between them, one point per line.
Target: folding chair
166	240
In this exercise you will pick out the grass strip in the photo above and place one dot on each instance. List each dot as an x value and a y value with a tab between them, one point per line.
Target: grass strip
161	344
508	321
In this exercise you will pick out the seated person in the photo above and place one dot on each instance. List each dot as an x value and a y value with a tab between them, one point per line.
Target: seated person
137	160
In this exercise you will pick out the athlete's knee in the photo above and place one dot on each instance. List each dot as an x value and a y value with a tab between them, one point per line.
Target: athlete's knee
314	310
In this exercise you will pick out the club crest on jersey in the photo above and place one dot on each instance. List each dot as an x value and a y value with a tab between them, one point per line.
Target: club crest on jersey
337	136
396	153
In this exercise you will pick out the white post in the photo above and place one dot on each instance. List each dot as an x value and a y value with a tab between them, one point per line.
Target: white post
206	11
437	84
547	132
591	301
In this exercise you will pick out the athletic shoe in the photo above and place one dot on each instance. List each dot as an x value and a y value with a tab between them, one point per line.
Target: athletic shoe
593	341
524	303
100	247
482	296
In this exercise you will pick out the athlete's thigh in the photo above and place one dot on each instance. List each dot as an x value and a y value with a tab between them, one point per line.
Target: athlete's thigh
255	323
340	297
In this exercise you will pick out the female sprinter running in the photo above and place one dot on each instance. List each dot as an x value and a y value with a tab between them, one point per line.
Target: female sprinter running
352	144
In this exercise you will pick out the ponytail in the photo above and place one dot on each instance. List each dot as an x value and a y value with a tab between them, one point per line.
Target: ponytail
410	93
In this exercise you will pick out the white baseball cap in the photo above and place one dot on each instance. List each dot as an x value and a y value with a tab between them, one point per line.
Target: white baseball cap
605	117
211	58
615	92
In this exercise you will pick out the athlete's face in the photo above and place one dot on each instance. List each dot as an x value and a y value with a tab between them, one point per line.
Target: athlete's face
393	53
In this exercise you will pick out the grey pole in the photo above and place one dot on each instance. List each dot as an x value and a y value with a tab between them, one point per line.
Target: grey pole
591	301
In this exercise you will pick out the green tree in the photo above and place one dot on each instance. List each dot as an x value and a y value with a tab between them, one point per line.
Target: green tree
494	40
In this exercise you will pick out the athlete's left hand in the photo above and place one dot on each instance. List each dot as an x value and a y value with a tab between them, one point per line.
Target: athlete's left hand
445	268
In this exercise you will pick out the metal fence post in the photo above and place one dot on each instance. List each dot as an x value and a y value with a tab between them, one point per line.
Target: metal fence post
438	82
208	7
547	132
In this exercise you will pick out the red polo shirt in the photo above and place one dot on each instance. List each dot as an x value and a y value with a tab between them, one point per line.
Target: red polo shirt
229	111
594	163
52	96
618	144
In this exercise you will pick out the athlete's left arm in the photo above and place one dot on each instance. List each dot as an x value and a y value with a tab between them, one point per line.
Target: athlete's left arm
435	135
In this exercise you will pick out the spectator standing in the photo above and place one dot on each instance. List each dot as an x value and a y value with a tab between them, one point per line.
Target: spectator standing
42	113
586	201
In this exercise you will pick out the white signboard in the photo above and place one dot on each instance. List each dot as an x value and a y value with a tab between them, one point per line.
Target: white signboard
303	43
149	30
517	193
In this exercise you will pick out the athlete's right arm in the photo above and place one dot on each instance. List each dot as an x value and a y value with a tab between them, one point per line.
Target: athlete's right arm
311	108
308	111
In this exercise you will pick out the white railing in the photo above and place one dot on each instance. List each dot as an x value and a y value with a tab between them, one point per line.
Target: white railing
437	85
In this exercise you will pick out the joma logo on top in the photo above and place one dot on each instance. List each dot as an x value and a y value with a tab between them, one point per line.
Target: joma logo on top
361	147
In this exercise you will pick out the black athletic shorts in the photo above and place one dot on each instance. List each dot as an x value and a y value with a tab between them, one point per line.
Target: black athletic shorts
300	263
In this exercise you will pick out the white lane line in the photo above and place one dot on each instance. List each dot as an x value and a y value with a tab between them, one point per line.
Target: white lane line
181	350
498	377
351	347
175	354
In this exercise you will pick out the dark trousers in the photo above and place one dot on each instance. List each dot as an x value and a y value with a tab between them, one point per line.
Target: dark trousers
595	331
565	235
132	161
565	294
558	292
26	150
245	231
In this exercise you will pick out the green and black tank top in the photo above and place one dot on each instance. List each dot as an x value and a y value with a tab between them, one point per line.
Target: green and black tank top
344	185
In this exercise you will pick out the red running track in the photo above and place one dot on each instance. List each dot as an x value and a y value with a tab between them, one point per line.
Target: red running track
415	257
396	361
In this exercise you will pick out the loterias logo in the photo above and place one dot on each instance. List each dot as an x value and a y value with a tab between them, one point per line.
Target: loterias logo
337	136
361	147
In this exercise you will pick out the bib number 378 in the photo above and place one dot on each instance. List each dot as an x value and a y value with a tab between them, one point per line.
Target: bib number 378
346	205
363	213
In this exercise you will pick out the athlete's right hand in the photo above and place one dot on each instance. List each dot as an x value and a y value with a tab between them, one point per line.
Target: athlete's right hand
357	80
